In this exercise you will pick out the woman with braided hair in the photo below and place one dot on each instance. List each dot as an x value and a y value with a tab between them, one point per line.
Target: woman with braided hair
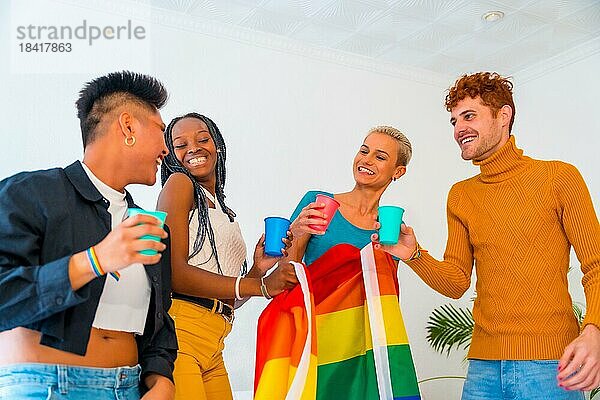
208	256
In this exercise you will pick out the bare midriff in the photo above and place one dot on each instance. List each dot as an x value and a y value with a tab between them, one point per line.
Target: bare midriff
106	349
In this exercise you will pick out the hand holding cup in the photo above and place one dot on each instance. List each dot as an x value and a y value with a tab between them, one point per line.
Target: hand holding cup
390	219
160	216
276	230
123	245
400	240
315	217
262	261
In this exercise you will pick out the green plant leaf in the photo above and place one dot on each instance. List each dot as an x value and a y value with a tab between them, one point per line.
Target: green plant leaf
579	313
449	327
594	392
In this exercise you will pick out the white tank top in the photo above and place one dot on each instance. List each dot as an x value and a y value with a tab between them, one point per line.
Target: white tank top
124	304
229	242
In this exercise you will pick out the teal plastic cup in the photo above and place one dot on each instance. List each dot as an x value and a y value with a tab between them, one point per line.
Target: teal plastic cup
160	215
390	218
275	230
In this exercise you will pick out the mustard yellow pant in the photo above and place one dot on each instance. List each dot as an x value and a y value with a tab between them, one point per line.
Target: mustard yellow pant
199	369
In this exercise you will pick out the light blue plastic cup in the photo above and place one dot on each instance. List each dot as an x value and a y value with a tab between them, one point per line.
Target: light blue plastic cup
390	218
275	230
161	215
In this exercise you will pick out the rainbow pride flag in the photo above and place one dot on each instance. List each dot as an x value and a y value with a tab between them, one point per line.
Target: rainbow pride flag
337	335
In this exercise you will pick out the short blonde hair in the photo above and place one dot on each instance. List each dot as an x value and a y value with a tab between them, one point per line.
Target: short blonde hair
404	148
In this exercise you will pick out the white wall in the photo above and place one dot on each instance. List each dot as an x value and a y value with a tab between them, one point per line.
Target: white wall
291	124
557	118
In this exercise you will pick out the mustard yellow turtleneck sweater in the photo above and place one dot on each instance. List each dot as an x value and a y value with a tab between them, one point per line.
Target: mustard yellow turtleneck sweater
517	221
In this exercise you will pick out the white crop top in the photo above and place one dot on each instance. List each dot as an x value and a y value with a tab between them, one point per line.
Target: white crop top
124	304
229	242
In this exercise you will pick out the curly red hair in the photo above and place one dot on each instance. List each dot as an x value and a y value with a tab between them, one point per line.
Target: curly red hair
494	90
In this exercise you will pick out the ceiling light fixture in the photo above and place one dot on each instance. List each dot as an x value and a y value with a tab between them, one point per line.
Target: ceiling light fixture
492	16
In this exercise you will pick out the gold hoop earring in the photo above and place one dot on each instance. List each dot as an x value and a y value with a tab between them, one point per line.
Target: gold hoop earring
130	141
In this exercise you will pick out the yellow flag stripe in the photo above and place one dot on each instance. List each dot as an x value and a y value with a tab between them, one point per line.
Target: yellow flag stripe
336	342
277	376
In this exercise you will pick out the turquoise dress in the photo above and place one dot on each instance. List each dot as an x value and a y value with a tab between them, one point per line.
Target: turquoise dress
340	230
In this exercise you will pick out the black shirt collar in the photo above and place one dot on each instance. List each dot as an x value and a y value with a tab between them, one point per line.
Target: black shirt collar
85	187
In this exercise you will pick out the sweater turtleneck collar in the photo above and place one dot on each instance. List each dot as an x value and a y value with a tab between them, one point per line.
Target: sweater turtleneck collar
504	164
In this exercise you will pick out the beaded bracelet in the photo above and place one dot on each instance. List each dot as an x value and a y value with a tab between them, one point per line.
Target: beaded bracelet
263	289
96	268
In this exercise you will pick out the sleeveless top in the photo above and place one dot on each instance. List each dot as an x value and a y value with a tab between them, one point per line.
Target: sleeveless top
229	242
340	230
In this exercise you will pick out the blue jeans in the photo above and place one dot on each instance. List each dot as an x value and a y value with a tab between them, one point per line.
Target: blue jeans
515	380
62	382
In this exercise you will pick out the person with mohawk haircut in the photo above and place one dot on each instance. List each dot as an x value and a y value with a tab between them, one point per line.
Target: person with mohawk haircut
83	313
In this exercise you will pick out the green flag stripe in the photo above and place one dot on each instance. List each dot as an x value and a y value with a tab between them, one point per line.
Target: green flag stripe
354	379
402	371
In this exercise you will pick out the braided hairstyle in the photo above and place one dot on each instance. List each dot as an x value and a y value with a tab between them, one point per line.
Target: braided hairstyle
171	165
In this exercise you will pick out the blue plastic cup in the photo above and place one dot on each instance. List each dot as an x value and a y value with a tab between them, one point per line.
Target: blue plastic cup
160	215
275	230
390	218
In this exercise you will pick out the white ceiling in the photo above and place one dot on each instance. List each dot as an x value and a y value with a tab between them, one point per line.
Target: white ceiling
443	36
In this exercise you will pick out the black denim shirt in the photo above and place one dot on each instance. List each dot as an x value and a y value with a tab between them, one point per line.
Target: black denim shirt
45	218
